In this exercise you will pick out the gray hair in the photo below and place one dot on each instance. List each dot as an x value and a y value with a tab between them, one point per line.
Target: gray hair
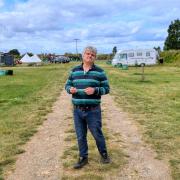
90	48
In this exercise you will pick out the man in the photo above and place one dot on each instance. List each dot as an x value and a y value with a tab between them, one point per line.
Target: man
87	82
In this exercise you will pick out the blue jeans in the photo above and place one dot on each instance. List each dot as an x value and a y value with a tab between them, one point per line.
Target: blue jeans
90	119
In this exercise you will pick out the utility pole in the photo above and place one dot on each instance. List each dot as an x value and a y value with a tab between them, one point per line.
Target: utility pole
76	40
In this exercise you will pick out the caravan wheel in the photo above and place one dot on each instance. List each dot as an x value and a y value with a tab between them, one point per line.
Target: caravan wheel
119	65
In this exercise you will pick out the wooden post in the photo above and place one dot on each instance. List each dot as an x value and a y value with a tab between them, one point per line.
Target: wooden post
142	75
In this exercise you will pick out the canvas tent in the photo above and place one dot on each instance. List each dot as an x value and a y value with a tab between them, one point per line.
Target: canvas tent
27	59
35	58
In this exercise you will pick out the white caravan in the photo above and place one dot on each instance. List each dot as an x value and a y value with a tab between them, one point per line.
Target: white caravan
136	57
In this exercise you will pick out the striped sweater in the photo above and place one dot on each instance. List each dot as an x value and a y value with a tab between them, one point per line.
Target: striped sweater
79	79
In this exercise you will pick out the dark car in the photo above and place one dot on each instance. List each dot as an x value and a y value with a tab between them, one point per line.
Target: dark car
61	59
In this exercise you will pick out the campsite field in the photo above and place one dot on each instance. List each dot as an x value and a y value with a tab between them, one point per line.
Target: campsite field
27	97
155	104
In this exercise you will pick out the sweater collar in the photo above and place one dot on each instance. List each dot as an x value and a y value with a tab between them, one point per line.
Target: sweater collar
92	67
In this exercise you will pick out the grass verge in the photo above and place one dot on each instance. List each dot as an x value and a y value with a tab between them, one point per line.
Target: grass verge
155	104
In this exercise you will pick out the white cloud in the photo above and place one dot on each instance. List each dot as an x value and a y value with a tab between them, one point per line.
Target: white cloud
53	24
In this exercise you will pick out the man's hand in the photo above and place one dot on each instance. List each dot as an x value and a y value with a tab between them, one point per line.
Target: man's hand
73	90
89	90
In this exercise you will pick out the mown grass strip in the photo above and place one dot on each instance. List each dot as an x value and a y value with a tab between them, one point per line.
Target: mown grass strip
25	99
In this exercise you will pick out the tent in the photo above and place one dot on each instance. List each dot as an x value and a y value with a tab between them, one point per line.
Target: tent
26	59
35	58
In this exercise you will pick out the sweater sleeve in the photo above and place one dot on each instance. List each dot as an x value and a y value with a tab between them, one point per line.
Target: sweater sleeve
69	83
104	85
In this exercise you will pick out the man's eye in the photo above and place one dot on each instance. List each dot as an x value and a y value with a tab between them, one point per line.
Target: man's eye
90	54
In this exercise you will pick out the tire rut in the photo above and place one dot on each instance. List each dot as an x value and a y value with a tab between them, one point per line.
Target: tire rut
142	163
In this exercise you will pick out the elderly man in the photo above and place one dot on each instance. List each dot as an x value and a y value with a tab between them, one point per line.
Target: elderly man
87	82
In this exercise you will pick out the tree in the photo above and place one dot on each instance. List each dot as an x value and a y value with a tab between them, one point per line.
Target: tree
30	54
102	56
74	57
14	52
158	49
114	51
173	39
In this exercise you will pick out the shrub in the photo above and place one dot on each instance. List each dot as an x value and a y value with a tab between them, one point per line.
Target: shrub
171	56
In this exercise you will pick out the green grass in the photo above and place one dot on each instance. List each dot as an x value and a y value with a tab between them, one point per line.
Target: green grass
25	99
155	104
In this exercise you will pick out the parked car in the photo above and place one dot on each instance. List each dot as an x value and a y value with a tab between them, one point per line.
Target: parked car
61	59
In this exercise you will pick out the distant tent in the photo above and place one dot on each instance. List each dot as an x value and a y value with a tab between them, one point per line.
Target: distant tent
35	58
26	59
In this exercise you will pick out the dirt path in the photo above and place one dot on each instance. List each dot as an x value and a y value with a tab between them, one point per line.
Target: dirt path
142	164
41	161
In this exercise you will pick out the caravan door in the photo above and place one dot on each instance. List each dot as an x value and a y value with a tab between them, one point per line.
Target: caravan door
115	60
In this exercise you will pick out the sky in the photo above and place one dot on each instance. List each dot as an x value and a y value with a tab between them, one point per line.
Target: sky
51	26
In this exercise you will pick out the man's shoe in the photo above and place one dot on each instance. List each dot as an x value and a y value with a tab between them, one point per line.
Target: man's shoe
105	159
81	162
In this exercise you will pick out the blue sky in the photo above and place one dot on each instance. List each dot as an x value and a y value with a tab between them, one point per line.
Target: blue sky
43	26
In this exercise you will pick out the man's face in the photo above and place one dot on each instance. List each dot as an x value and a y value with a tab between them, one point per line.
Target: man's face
89	56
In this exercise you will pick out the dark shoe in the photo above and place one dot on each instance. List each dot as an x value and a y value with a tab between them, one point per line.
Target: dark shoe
105	159
81	162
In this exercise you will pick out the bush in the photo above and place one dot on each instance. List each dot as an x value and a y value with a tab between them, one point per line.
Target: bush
171	56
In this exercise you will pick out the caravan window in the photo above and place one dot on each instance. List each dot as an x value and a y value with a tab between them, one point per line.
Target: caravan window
123	56
147	53
139	53
131	54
